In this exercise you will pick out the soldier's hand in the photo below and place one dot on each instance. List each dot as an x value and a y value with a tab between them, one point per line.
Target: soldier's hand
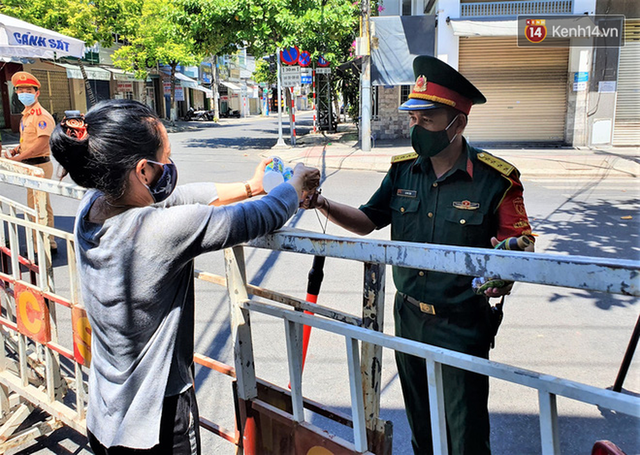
313	200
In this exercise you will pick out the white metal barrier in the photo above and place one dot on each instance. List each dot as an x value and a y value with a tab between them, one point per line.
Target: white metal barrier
616	277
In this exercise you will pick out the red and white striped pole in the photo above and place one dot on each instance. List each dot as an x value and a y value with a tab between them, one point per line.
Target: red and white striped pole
313	106
293	119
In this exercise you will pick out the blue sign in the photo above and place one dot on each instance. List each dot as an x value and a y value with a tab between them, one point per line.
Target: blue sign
322	62
581	77
304	59
290	56
305	79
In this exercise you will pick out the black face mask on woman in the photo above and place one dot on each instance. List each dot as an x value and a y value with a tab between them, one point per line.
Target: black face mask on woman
429	143
166	183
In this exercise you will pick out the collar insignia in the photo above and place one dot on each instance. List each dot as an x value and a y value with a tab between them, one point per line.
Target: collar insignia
421	84
466	205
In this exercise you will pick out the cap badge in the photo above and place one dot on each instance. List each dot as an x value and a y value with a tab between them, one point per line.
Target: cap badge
23	77
421	84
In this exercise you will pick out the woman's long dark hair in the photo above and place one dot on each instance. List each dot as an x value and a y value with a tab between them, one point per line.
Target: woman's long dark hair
119	134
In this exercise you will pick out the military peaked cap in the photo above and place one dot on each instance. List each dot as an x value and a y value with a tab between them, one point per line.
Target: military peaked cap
439	84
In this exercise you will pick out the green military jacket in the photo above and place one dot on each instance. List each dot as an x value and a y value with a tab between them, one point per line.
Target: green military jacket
459	208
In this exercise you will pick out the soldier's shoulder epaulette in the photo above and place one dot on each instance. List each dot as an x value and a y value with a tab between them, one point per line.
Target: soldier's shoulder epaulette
404	157
498	164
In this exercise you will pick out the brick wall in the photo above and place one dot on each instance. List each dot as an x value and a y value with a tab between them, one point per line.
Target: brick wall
391	123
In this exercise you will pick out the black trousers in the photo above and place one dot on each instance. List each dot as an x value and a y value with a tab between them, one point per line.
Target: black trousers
179	430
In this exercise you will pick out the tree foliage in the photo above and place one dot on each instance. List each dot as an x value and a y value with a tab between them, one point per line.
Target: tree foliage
94	21
322	27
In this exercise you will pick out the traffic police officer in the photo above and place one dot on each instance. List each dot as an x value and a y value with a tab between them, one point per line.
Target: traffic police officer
36	127
446	192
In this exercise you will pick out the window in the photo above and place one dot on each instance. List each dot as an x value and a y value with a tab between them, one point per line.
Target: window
406	7
405	91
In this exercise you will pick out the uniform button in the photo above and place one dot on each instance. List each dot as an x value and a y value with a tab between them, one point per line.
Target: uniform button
481	155
402	209
435	185
463	221
421	273
430	214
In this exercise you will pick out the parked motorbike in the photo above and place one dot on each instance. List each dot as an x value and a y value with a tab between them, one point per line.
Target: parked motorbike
192	114
230	113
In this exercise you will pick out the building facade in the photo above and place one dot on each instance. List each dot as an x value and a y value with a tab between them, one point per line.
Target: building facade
532	93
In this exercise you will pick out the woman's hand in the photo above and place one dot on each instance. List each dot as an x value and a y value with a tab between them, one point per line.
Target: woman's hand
256	181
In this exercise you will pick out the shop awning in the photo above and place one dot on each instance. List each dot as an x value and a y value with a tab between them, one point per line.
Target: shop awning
185	81
93	72
232	86
120	75
22	39
480	27
207	91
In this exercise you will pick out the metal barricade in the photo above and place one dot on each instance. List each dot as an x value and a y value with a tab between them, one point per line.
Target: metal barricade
31	374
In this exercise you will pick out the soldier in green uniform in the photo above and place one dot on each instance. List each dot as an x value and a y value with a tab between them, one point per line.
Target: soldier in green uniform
450	193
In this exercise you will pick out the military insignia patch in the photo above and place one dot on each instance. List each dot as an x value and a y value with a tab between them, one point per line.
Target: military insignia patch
518	205
466	205
42	124
521	224
421	84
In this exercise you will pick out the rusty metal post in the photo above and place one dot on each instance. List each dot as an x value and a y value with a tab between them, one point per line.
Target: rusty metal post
246	386
371	364
240	323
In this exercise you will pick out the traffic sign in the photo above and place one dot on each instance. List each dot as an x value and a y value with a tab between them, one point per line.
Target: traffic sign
305	76
304	59
290	76
323	70
290	56
322	62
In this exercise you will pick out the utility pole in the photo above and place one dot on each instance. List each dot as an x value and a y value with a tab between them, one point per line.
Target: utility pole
280	142
365	79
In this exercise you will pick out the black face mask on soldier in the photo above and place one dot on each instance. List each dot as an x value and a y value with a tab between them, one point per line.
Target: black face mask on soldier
429	143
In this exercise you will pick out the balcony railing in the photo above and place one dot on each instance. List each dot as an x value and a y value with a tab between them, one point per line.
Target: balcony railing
482	9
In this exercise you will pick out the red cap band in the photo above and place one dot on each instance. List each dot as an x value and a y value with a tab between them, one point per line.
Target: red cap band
431	91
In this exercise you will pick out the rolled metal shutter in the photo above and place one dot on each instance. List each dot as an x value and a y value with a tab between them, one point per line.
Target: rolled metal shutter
627	121
526	90
55	95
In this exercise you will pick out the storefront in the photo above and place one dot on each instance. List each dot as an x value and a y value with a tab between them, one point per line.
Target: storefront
526	90
627	118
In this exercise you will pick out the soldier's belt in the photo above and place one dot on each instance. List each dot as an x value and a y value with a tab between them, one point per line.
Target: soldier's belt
444	311
36	160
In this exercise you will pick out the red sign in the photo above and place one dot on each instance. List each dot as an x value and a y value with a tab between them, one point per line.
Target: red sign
535	30
304	59
322	62
290	56
126	86
81	336
33	314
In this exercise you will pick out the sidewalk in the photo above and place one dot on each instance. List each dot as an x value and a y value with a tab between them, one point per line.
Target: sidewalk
341	151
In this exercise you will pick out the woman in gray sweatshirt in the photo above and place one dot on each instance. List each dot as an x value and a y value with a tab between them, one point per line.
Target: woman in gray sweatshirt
137	234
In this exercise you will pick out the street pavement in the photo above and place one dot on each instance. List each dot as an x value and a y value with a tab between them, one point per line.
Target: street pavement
341	150
571	334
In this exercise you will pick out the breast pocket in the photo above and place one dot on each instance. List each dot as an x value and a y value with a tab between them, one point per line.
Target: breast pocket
404	217
466	228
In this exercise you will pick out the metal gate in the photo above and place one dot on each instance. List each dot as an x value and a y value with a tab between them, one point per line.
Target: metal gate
39	370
